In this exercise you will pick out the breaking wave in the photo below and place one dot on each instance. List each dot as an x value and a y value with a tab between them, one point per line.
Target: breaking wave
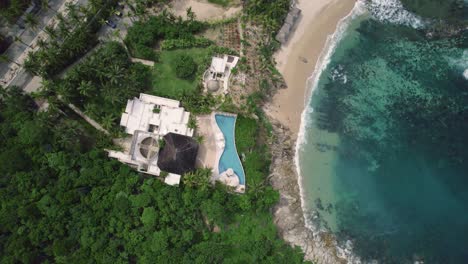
392	11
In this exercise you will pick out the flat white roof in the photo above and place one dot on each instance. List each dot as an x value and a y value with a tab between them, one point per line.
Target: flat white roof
151	99
139	115
218	64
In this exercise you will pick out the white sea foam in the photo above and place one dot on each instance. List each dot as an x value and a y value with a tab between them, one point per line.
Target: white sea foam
464	63
339	74
312	82
393	11
461	63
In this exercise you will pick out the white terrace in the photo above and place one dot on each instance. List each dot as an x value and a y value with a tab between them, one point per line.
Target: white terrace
156	115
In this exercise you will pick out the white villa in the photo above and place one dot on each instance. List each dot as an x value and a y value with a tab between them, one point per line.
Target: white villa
157	115
151	120
216	78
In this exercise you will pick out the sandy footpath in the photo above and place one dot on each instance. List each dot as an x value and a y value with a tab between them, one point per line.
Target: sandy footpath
204	10
296	60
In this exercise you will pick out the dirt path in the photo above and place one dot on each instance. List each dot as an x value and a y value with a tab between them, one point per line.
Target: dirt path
204	10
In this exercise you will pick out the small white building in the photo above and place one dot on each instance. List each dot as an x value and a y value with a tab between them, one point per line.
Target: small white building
216	78
148	119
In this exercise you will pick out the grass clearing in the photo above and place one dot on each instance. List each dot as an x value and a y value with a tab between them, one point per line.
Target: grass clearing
166	83
246	133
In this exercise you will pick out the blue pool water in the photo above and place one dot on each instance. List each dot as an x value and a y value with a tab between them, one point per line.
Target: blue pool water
229	158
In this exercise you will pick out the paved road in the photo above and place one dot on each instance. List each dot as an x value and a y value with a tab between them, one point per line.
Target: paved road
28	35
18	51
124	22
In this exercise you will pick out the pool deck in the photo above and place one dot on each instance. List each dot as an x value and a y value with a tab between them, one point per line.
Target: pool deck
212	148
220	144
207	151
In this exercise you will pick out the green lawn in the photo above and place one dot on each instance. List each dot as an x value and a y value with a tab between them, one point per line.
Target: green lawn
165	81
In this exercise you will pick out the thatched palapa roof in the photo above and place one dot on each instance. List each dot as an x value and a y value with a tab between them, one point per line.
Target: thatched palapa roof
178	155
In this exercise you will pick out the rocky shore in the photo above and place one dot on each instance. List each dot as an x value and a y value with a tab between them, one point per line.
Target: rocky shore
319	246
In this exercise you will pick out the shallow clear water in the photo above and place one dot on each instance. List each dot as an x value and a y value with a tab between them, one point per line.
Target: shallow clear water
385	158
229	158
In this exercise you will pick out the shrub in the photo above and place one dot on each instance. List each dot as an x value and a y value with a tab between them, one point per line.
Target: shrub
176	32
143	52
185	67
196	103
171	44
246	130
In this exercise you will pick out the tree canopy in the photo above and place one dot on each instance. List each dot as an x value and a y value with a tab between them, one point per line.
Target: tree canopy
63	203
102	83
185	67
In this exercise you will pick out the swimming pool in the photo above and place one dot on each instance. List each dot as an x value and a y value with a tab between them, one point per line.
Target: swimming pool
229	158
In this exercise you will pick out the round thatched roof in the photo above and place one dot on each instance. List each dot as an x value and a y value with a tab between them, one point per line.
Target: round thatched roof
178	154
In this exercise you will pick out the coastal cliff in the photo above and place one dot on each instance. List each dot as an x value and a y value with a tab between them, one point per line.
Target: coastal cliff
319	246
288	213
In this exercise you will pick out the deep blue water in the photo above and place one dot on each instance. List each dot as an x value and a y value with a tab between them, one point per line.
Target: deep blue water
385	163
229	158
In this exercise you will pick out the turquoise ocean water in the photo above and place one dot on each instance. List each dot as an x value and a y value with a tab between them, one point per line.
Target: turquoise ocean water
383	156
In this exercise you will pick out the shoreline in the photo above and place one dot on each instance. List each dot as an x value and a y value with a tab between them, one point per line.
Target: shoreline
297	61
318	21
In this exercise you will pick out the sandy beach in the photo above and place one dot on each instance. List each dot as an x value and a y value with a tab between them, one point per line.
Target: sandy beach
297	59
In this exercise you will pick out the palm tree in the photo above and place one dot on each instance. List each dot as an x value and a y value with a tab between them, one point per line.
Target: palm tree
204	176
62	25
110	95
18	39
85	88
47	85
115	74
45	4
32	64
64	90
67	135
41	43
49	30
189	179
73	12
199	178
192	123
63	31
31	21
199	139
190	14
108	121
4	58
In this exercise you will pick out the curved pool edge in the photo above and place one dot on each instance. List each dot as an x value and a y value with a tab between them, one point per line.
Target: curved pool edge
220	151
